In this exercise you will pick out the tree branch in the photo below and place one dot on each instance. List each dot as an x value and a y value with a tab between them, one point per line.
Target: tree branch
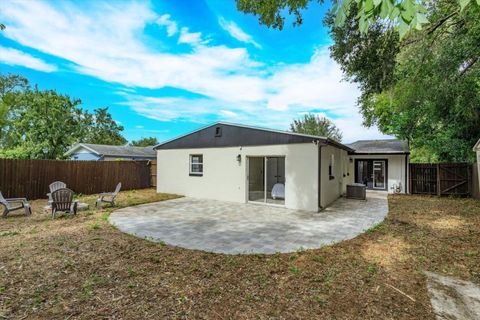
441	22
468	66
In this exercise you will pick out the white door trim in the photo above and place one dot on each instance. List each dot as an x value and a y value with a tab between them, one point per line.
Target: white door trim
384	175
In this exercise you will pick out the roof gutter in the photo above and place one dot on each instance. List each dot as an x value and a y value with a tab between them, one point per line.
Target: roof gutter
379	153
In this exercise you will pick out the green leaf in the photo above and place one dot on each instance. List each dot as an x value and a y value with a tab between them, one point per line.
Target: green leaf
340	18
403	28
377	2
384	9
421	8
394	13
409	11
368	5
464	3
422	19
363	25
346	4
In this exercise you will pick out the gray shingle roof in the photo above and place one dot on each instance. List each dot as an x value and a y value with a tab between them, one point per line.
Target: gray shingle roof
380	146
233	134
116	151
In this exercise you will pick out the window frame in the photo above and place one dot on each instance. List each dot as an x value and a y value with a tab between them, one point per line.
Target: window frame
331	174
190	163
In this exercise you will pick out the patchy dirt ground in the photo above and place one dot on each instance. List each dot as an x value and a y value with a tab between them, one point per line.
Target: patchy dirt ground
81	268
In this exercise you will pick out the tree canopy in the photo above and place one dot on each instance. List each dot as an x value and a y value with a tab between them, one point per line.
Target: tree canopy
102	129
144	142
416	63
424	88
403	15
42	124
316	125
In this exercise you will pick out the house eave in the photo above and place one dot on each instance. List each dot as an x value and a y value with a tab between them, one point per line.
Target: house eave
379	153
314	139
128	156
476	147
81	145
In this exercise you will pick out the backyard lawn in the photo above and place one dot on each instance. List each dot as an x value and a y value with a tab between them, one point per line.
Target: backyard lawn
81	267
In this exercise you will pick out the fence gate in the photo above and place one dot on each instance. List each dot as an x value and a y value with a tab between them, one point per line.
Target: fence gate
441	178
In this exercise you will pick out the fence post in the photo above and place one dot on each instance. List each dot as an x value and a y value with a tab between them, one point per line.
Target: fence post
439	193
469	180
410	178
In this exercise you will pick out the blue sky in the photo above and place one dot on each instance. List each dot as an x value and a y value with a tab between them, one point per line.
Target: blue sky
168	67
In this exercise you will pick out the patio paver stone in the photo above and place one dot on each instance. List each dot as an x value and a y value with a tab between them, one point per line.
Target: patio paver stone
236	228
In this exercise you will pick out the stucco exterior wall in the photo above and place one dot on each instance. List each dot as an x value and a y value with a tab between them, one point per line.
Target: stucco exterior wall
224	178
396	170
332	188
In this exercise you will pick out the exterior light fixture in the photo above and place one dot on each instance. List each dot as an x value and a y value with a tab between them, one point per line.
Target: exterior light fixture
239	158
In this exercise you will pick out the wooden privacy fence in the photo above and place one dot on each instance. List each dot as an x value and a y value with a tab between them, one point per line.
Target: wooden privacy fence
30	178
441	178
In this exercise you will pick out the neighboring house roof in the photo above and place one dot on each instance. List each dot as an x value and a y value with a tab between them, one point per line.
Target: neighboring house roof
223	134
114	151
477	146
380	146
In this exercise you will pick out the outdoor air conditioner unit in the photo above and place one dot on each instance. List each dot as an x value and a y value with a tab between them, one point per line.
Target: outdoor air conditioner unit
356	191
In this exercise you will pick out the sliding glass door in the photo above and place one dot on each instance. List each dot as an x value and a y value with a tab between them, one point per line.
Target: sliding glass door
256	179
266	180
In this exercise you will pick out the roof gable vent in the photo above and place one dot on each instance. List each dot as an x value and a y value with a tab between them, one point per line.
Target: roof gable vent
218	131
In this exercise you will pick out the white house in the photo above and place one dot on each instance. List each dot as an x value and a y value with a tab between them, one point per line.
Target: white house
89	151
380	164
240	163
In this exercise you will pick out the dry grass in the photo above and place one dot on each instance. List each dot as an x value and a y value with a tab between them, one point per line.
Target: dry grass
387	251
82	267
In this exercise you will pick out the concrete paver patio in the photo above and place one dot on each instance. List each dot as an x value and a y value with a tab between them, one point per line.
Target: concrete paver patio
232	228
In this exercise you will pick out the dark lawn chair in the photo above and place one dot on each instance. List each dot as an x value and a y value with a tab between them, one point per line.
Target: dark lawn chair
108	197
62	200
53	187
13	204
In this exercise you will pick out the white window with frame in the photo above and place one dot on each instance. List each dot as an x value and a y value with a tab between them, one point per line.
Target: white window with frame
196	165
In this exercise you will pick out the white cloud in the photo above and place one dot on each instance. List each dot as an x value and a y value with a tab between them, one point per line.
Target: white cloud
193	38
236	32
229	114
172	27
316	84
16	57
233	85
101	47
